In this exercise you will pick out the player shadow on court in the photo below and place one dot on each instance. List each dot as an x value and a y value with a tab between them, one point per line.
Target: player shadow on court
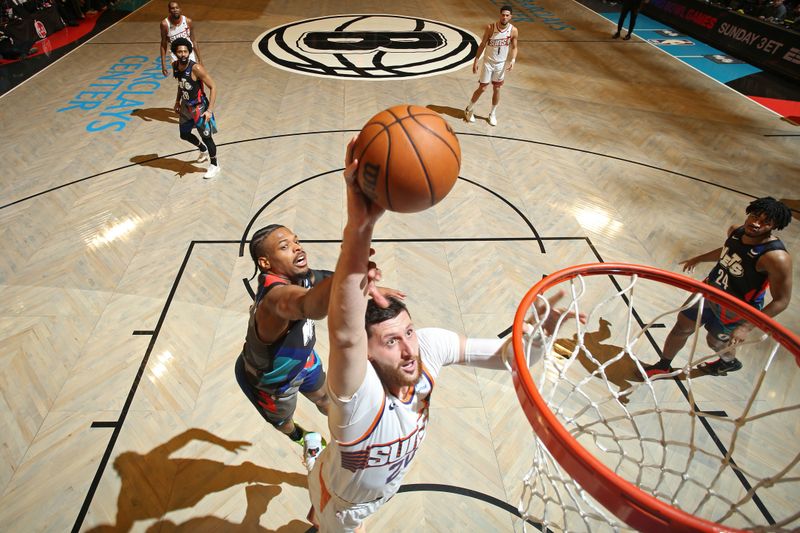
453	112
622	373
160	114
173	164
154	484
258	497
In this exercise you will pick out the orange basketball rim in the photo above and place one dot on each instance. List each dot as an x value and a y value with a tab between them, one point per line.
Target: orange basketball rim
637	508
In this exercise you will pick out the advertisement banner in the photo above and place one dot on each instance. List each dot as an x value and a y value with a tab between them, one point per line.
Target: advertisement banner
768	46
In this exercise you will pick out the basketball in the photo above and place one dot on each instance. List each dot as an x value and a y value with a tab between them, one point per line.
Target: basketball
408	158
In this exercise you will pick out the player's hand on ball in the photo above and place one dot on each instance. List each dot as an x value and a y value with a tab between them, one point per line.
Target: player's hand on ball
360	209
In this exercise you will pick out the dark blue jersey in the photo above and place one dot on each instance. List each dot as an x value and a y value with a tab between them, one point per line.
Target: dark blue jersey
191	90
735	272
277	363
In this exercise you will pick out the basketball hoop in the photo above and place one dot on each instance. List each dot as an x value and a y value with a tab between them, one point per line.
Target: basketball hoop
647	454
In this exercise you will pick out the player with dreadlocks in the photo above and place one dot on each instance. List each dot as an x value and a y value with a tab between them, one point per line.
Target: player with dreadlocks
751	260
278	359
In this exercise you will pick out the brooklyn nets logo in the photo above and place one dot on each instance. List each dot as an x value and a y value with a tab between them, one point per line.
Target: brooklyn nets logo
372	47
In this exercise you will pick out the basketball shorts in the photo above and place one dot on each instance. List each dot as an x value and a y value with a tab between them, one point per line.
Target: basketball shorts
719	322
190	116
333	514
493	72
277	404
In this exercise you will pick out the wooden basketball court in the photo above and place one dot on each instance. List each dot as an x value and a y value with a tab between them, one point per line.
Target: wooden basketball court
122	289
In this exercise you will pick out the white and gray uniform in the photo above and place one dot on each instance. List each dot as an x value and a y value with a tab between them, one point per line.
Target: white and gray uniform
375	437
495	55
181	29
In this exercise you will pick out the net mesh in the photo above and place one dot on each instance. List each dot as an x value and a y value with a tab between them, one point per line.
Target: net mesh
722	448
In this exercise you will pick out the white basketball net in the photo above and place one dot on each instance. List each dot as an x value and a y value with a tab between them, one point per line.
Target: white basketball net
648	433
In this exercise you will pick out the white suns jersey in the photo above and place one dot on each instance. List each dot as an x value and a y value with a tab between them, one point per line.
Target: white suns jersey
496	50
181	29
376	435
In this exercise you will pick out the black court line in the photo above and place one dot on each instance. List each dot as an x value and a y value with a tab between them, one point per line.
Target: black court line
703	421
456	490
131	393
721	414
460	491
101	424
250	41
154	333
782	135
143	332
556	41
282	135
469	493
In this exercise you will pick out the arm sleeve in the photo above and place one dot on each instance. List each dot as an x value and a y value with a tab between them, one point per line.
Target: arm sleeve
438	348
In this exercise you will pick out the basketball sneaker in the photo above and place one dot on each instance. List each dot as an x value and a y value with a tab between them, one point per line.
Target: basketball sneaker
492	119
469	116
720	367
658	370
203	157
313	445
212	172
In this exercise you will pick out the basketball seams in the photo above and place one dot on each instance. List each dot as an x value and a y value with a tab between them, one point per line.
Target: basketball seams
386	177
410	183
416	151
383	129
434	133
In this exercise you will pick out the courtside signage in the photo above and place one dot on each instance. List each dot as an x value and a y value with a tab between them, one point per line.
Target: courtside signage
367	47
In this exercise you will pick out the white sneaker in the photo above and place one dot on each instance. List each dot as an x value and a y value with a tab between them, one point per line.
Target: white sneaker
203	157
212	172
312	447
492	119
469	115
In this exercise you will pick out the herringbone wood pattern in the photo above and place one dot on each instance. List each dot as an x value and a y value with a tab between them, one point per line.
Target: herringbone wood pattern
608	149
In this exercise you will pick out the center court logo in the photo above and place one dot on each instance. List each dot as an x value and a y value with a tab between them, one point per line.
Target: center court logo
367	47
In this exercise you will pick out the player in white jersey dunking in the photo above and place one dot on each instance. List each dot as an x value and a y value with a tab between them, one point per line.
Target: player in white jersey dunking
174	26
499	41
380	378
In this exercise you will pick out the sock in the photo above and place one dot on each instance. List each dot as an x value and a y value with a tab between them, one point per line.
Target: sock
213	160
469	106
494	108
297	434
728	357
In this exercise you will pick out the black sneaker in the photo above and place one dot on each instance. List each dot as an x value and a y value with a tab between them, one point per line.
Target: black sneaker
721	367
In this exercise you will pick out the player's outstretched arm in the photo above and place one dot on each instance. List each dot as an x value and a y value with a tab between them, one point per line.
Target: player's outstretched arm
286	303
713	255
492	353
351	286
